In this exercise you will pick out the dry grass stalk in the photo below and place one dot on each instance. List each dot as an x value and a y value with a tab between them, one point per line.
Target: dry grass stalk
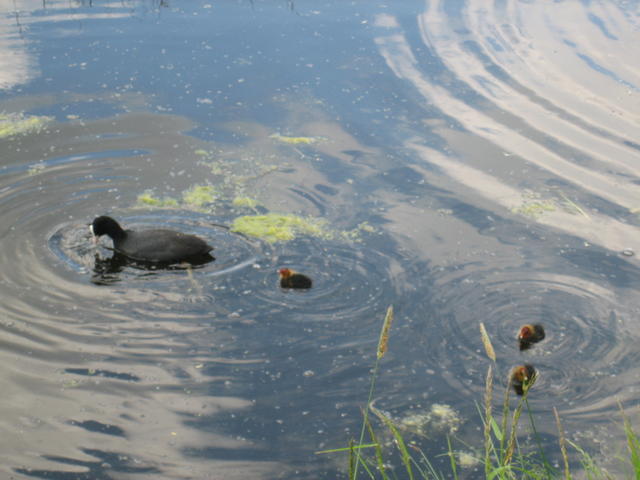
384	333
487	343
488	399
563	446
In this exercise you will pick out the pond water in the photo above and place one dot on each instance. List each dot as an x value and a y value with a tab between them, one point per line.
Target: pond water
463	161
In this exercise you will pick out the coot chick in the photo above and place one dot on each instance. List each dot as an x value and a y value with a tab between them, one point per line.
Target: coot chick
292	279
523	376
530	334
152	246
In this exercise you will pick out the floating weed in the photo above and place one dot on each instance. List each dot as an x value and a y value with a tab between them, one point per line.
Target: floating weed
535	209
467	459
36	168
200	195
245	202
275	227
295	140
355	234
278	227
573	206
12	124
147	199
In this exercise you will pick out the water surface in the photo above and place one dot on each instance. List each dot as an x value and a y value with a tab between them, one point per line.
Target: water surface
468	162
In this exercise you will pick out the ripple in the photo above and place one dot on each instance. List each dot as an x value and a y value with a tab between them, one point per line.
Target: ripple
72	244
586	342
347	280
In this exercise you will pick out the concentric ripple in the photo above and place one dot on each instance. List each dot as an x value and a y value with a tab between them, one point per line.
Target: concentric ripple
73	245
588	344
348	279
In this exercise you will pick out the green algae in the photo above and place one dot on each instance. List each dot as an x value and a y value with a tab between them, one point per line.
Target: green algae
275	227
200	195
294	140
18	124
245	202
535	209
147	199
36	168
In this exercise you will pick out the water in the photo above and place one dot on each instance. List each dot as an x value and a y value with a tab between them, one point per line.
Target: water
483	156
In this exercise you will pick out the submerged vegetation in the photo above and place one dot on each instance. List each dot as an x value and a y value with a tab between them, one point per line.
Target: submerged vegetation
503	455
295	140
534	206
12	124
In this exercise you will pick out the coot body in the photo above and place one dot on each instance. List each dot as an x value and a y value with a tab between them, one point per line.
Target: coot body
291	279
153	246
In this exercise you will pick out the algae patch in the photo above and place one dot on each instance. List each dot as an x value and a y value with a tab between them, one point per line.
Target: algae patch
295	140
18	124
200	195
194	198
535	209
275	227
36	168
440	420
245	202
147	199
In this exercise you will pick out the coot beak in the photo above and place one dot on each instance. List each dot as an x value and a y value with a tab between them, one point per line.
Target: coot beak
95	239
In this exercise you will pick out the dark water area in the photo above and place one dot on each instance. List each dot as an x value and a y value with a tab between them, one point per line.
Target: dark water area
463	161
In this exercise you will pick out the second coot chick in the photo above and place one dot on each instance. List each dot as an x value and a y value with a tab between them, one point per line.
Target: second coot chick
292	279
523	376
530	334
154	246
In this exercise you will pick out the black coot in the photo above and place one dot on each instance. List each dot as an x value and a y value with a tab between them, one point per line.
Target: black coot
154	246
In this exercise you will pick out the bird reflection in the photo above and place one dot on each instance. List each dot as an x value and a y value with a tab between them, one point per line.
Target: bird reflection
523	377
106	270
530	334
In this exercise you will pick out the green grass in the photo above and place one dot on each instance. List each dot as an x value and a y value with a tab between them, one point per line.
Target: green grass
503	456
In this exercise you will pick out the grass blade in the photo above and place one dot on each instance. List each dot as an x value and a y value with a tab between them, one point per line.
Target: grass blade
379	458
633	444
402	448
489	421
563	446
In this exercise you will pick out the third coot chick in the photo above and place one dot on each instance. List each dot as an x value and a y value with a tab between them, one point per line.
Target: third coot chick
291	279
153	246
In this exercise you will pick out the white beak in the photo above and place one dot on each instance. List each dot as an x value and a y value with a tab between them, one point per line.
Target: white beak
95	239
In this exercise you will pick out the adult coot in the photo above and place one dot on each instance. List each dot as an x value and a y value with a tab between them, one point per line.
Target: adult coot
154	246
292	279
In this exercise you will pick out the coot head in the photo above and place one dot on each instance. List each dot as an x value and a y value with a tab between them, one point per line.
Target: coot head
285	272
104	225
